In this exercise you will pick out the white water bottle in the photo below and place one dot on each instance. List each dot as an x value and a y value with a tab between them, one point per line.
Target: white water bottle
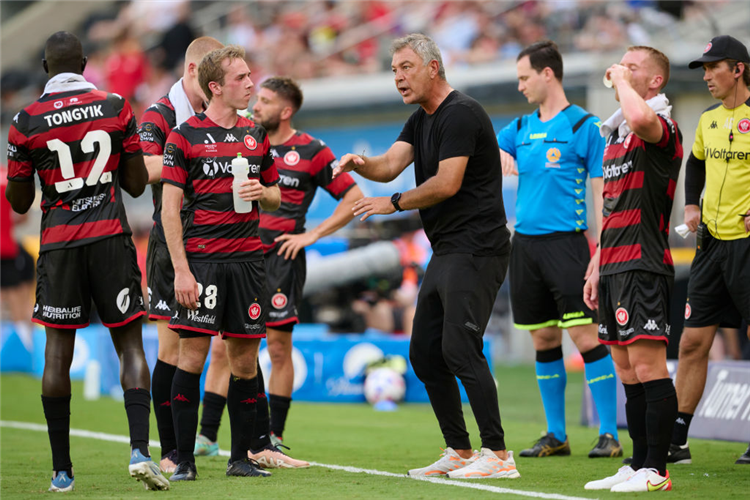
240	170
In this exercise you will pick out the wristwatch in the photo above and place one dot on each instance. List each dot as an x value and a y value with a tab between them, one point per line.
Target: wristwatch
395	199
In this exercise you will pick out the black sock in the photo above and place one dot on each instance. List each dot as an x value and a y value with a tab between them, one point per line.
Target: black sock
213	408
138	409
279	411
161	393
261	437
661	412
681	428
242	399
186	393
57	413
635	411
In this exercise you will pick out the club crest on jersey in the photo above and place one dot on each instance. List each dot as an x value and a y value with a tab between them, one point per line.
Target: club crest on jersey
279	300
708	47
688	311
622	316
743	126
250	142
254	311
291	158
58	104
628	139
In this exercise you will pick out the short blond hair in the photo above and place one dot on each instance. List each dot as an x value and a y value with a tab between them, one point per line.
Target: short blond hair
658	58
211	68
199	47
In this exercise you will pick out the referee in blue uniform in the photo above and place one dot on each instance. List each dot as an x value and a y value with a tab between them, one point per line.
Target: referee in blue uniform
556	148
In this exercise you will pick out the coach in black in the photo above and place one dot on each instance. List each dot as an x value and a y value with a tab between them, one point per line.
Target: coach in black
452	143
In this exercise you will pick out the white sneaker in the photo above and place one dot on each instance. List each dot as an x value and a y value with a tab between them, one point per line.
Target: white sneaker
606	484
449	461
644	480
487	466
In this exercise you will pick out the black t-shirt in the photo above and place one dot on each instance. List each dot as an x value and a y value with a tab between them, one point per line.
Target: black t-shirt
473	220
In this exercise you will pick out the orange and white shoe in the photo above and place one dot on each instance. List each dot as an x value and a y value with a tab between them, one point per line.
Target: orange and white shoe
487	466
271	457
449	461
644	480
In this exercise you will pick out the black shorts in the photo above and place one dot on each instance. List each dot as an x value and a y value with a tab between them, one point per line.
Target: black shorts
69	279
719	286
160	277
233	301
286	279
459	289
546	281
18	270
634	305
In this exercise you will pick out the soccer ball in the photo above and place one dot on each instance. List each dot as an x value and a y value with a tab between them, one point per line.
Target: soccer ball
384	384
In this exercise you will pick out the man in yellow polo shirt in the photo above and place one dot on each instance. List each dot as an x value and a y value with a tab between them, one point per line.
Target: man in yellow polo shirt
719	289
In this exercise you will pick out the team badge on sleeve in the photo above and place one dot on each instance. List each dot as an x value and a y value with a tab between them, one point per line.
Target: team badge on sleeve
688	311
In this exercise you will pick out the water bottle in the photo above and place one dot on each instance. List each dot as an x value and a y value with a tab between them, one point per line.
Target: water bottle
240	170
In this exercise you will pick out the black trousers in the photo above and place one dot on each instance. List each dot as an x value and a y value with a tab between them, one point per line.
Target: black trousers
453	308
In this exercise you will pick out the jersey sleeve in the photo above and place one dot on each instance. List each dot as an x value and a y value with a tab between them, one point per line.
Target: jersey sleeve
176	160
407	133
459	132
591	148
323	164
153	131
269	176
506	138
130	143
670	140
698	149
20	167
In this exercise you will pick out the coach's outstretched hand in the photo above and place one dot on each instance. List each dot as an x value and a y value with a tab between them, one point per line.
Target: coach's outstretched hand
347	163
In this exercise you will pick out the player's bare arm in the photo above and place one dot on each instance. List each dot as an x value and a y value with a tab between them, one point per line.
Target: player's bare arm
597	188
20	194
640	117
508	164
154	164
440	187
382	168
185	286
291	244
133	175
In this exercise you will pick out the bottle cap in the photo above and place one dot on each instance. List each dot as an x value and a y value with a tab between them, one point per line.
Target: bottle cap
239	155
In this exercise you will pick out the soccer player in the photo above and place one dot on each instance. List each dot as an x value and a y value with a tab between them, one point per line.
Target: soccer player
719	287
459	195
220	280
304	164
556	147
633	281
184	99
83	145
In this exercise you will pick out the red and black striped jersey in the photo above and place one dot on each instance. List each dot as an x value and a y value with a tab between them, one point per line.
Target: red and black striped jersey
156	124
75	141
198	159
304	164
639	184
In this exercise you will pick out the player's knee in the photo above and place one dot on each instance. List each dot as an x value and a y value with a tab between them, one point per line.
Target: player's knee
693	345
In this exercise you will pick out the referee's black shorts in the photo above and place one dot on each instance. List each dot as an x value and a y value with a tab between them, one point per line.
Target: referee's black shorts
719	287
546	281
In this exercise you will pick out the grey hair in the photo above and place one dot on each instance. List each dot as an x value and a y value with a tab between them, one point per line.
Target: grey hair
423	46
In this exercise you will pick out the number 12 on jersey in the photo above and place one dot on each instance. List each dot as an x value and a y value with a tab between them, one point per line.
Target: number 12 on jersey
88	143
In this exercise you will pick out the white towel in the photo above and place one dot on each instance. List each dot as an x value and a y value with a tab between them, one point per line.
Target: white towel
67	82
179	99
659	103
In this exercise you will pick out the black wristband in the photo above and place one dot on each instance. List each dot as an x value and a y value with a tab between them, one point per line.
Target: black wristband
395	199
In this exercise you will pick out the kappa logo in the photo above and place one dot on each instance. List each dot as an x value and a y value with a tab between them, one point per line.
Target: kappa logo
291	158
274	154
650	325
254	311
714	125
230	138
162	306
622	316
688	311
250	142
743	126
279	300
123	300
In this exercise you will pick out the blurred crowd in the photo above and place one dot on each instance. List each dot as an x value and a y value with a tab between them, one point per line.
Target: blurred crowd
135	48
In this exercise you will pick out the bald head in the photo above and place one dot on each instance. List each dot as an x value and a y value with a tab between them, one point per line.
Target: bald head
199	48
63	53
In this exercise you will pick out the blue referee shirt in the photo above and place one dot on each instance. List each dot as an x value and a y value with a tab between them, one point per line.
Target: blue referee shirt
554	158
